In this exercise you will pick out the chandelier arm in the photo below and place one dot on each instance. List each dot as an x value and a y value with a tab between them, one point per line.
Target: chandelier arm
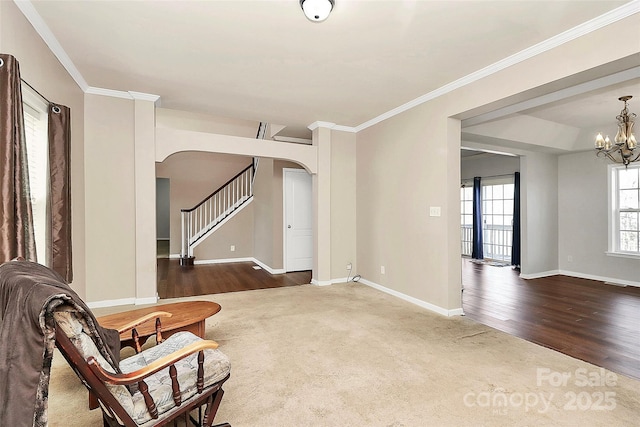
601	153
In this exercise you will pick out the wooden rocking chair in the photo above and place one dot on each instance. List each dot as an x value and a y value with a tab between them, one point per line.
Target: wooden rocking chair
155	386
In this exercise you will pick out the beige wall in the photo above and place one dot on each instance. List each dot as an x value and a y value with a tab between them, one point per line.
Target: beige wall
42	70
170	141
238	231
402	170
264	205
110	198
185	120
194	176
268	213
343	203
404	165
203	135
411	161
321	199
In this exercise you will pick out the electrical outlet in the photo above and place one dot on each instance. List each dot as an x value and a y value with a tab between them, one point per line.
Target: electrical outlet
570	258
382	269
349	266
233	248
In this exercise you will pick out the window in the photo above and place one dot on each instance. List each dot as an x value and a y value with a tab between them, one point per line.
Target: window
35	121
624	212
497	218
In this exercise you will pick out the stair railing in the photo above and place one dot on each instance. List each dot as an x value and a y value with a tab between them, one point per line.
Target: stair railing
202	218
199	221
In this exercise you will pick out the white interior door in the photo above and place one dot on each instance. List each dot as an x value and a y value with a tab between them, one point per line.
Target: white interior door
298	219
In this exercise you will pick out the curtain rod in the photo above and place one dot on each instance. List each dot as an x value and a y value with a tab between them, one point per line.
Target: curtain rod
27	83
35	90
463	180
491	176
499	176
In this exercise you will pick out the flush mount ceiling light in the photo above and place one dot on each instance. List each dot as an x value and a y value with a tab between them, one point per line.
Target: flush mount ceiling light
317	10
624	144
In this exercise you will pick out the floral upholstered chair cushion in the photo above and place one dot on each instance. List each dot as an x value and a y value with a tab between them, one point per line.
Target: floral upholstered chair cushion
216	367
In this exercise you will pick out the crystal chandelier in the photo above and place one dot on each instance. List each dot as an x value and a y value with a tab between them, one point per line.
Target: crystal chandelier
622	150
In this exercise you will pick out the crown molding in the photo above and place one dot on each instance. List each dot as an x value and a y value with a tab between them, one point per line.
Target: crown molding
344	128
315	125
141	96
332	126
91	90
622	12
34	18
594	24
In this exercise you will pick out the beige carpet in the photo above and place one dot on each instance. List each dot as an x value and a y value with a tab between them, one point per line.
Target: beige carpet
349	355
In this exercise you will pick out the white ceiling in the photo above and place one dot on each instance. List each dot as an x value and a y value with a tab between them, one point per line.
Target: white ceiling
263	61
594	109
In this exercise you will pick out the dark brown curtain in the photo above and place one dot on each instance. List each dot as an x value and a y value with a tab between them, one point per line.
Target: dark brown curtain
59	230
16	217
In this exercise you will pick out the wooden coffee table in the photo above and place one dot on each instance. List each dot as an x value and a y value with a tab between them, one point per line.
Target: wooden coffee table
185	316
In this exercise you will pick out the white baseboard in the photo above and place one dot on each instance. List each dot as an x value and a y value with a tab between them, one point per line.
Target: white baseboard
329	282
322	282
600	278
227	260
541	274
148	300
456	312
269	269
122	301
416	301
111	303
605	279
245	259
221	261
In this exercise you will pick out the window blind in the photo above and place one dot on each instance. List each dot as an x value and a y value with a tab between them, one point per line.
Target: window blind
35	128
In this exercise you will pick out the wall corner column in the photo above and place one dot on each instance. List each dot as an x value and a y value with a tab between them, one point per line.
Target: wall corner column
321	274
145	196
454	252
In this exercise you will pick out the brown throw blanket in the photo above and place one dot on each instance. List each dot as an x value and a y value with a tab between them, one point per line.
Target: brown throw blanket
29	293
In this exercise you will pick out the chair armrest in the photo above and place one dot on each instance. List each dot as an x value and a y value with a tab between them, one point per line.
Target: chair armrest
128	326
152	368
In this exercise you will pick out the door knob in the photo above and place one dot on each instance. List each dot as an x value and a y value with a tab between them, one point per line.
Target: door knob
288	226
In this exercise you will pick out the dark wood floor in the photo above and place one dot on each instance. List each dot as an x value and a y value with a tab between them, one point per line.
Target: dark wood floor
582	318
175	281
